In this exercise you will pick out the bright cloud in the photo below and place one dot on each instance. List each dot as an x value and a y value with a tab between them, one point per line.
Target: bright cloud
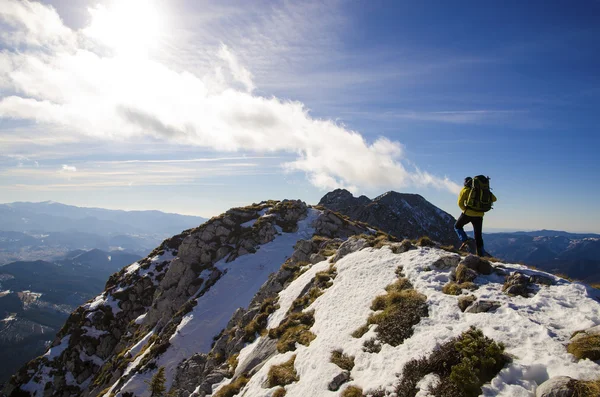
68	168
59	77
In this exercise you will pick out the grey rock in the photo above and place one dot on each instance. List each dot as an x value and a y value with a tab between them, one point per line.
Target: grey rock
463	274
339	380
483	306
517	284
316	258
264	350
543	280
303	250
559	386
481	266
351	245
447	262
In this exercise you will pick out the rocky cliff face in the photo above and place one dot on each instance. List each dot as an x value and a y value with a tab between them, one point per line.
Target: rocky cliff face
399	214
193	281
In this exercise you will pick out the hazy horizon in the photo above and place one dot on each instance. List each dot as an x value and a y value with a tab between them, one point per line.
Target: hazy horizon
196	107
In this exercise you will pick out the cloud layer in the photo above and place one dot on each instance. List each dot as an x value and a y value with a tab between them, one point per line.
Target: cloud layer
61	77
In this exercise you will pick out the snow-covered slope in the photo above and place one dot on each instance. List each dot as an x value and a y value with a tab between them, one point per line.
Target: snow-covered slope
283	299
534	329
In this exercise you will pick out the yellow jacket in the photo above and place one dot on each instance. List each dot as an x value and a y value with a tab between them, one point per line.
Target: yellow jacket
462	198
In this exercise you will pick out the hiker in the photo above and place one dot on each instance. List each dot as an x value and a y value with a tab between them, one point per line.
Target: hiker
473	208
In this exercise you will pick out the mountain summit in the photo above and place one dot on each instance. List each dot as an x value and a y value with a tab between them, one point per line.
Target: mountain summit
402	215
280	298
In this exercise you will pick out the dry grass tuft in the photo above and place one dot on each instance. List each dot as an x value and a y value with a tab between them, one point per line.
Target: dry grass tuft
233	388
352	391
342	360
283	374
587	346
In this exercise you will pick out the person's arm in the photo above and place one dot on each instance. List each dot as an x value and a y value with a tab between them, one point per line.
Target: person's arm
462	196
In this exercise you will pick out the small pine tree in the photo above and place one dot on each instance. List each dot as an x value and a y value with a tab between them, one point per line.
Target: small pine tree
157	384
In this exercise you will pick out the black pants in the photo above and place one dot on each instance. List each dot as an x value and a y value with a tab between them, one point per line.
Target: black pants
477	222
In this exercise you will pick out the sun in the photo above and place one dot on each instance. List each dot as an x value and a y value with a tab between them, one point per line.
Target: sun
129	27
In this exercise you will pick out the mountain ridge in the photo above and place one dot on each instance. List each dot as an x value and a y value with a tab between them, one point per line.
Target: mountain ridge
403	215
287	282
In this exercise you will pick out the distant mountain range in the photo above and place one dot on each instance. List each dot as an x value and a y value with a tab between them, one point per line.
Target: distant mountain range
37	297
573	254
48	230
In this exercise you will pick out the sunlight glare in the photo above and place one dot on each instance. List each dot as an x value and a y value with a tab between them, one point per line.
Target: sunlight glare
129	27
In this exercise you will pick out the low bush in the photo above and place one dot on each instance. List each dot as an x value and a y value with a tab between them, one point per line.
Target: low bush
398	312
463	365
283	374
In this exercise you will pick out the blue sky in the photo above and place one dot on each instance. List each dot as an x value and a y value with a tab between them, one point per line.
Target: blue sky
198	106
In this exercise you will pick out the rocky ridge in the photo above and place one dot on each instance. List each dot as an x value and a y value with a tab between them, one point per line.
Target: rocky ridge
124	331
399	214
327	304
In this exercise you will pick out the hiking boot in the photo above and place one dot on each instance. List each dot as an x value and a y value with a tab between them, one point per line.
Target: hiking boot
468	246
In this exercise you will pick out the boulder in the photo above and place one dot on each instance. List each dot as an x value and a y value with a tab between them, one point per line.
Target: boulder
481	266
464	274
339	380
559	386
586	344
517	284
351	245
447	262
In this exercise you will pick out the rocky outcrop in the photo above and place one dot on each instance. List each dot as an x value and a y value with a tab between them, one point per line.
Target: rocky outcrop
152	296
517	284
559	386
399	214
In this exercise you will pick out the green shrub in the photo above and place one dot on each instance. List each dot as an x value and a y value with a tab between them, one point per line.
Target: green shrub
283	374
342	360
233	388
372	346
463	365
352	391
587	346
400	311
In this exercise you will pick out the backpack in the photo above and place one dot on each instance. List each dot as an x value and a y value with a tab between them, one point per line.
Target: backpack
480	196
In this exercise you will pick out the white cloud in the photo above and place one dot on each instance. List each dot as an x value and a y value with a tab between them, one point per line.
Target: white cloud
69	168
127	98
